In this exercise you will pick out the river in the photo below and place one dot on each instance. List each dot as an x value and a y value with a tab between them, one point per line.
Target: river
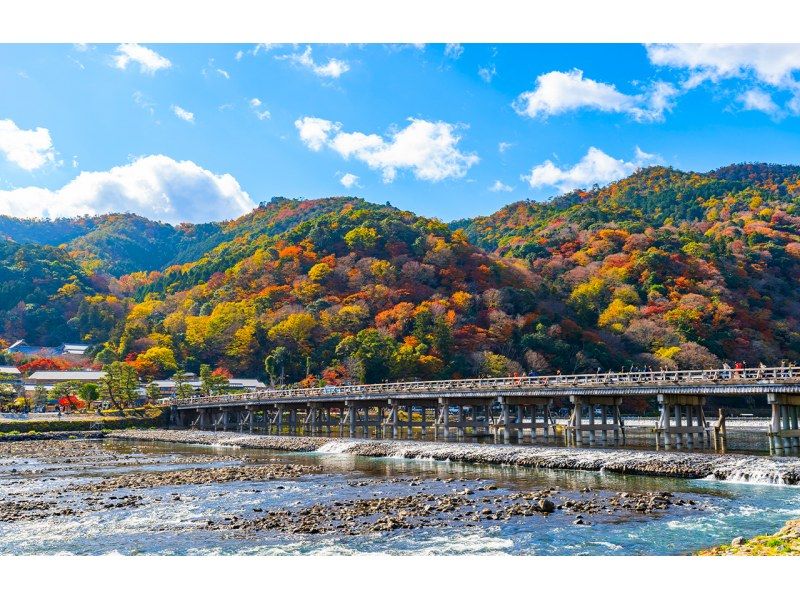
72	517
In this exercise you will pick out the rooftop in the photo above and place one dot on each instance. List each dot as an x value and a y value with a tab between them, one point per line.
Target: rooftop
67	375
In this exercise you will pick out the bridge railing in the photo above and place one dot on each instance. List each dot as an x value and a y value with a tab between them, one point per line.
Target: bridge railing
660	377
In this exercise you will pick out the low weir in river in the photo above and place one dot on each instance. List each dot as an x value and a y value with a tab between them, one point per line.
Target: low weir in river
510	409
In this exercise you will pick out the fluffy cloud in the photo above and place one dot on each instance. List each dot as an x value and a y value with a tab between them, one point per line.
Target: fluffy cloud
758	99
261	114
27	148
428	149
596	167
333	69
183	114
453	51
314	132
500	187
504	146
149	61
773	64
349	180
558	92
157	187
487	73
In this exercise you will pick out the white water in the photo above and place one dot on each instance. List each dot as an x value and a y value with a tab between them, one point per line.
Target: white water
335	447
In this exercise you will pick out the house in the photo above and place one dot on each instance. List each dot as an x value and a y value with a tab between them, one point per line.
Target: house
72	349
21	346
49	378
167	387
246	384
10	375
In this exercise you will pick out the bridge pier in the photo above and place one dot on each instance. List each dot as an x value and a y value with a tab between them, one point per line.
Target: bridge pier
515	411
585	406
784	433
682	419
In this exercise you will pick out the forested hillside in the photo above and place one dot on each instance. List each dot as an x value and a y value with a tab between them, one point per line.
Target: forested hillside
661	269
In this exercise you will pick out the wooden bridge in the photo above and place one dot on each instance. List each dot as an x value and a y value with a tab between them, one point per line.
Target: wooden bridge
507	407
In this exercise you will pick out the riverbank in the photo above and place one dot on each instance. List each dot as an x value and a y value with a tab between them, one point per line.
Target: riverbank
739	468
786	542
144	418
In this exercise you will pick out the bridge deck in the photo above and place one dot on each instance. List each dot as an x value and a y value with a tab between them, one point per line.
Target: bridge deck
723	382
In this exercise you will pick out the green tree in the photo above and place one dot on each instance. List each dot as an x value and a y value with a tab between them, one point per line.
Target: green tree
106	356
276	362
153	393
8	392
361	238
211	383
39	395
374	350
89	394
183	390
120	384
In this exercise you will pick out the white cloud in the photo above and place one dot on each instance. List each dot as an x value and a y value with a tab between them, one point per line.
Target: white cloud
27	148
500	186
262	48
149	61
183	114
770	65
428	149
156	187
487	73
773	64
504	146
596	167
348	180
223	73
558	92
314	131
143	102
759	100
238	56
333	69
255	104
453	51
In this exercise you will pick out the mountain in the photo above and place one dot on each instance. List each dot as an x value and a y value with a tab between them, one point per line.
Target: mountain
661	269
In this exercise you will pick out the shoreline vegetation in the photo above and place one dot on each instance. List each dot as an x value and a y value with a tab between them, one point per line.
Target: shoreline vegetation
785	542
130	418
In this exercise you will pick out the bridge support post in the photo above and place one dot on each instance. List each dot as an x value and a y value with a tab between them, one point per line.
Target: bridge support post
351	415
577	427
687	423
784	432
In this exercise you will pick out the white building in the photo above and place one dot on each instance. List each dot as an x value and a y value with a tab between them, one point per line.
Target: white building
49	378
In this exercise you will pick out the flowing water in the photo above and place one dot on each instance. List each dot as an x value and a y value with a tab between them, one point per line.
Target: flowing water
160	524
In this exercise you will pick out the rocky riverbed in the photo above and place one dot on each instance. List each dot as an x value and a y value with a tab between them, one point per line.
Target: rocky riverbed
205	475
778	470
464	507
185	492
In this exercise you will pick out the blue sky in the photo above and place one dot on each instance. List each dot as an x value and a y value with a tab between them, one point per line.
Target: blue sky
201	132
